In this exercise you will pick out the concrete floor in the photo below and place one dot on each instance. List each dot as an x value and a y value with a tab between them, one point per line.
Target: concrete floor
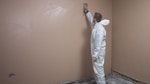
112	78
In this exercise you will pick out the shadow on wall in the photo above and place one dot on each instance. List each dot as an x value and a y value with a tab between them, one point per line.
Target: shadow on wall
87	70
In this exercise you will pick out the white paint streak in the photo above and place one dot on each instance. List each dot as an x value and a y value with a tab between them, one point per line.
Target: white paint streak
54	11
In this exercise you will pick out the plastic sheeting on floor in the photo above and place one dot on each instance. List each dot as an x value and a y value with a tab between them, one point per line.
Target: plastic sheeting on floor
112	78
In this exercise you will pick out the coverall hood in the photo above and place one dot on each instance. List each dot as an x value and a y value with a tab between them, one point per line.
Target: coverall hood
104	22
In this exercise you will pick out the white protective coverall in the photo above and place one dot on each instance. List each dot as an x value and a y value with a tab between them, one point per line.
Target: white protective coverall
98	45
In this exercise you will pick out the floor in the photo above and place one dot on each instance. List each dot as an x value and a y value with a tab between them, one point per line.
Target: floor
112	78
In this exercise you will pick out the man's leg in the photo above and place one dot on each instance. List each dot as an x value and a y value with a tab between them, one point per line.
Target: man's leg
100	75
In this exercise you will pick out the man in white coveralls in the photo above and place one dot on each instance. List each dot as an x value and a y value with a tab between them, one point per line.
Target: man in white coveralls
98	44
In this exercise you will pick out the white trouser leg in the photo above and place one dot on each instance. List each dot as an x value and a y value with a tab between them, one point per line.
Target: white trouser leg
98	67
100	75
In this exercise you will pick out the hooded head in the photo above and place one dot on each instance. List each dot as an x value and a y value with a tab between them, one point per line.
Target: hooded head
98	18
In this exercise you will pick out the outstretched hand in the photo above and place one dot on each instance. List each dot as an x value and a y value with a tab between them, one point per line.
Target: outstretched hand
85	8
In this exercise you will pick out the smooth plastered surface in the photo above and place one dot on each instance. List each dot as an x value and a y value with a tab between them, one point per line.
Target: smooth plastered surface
48	41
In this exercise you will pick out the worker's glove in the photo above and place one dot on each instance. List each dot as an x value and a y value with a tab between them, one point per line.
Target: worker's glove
86	10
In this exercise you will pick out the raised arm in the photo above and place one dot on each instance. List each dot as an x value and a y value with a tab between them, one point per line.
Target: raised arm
89	17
